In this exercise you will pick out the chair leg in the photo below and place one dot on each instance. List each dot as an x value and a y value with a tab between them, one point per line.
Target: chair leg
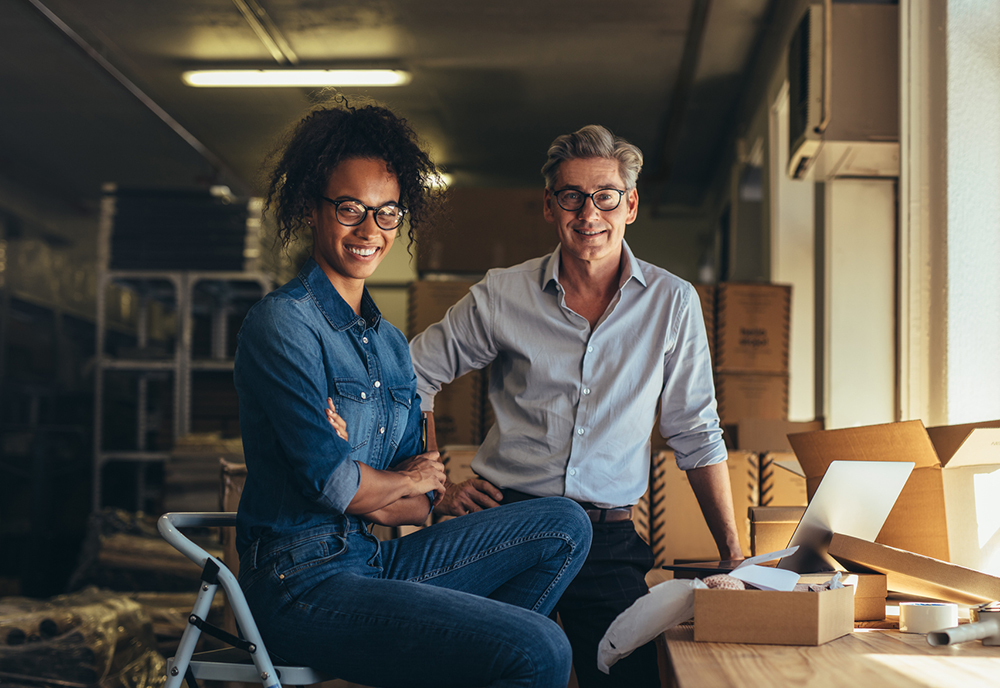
191	635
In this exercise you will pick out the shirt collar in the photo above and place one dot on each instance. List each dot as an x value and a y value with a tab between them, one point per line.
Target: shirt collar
632	268
332	305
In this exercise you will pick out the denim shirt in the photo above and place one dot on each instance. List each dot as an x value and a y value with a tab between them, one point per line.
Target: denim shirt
297	346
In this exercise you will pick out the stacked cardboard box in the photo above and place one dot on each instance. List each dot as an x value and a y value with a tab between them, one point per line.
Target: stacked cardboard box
751	350
677	527
486	228
459	406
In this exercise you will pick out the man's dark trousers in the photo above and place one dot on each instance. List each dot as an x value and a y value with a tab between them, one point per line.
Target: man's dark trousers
611	579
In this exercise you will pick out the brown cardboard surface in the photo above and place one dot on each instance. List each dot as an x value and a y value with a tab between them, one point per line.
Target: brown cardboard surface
677	528
747	395
483	228
914	574
706	297
773	618
870	591
429	300
779	486
948	439
771	527
457	460
763	435
458	410
751	327
917	522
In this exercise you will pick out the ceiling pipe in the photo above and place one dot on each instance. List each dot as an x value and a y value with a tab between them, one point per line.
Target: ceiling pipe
267	31
214	160
671	131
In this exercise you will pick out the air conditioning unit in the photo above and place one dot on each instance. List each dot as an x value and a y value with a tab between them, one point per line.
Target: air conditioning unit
843	78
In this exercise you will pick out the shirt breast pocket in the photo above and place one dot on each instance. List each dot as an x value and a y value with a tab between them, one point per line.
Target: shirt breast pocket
402	400
353	402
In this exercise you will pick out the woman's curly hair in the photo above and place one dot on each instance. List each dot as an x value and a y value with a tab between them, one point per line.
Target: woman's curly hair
333	133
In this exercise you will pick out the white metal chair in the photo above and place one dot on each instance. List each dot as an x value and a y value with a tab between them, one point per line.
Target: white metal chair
247	660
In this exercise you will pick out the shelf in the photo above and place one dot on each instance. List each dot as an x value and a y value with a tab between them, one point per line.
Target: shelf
143	456
139	364
212	364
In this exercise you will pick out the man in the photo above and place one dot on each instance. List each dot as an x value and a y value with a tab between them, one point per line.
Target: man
584	343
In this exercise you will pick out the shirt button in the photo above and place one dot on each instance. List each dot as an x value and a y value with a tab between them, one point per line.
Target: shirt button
586	390
381	431
364	339
363	396
579	431
572	471
377	384
590	349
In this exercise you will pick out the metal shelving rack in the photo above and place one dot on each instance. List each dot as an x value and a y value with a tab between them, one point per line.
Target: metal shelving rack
175	288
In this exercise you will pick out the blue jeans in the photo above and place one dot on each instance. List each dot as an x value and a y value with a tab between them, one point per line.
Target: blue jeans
462	603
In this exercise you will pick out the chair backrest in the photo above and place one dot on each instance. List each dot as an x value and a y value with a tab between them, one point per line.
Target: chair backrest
214	574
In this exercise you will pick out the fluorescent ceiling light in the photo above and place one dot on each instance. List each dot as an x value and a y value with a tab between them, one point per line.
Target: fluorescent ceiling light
236	78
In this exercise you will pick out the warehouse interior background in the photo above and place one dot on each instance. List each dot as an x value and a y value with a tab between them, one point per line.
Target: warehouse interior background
896	293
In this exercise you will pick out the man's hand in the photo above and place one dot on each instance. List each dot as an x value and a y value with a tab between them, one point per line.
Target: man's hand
475	494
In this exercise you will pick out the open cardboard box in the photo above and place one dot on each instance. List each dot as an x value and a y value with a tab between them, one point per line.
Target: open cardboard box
949	508
773	618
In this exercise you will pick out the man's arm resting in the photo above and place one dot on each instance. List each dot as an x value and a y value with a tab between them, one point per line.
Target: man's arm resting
715	497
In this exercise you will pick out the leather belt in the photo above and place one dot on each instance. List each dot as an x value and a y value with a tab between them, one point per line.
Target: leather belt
597	515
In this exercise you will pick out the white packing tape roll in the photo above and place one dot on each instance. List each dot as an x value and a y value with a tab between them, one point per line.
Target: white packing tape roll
924	617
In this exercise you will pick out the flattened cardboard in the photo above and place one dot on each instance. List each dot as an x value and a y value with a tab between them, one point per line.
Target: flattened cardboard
947	508
773	618
914	574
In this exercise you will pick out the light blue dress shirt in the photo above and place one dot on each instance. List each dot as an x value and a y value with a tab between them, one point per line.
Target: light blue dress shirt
574	407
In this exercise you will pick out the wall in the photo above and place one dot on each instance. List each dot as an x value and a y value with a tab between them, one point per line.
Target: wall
973	168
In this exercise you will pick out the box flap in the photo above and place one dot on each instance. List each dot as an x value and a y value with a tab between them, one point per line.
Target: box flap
971	444
915	574
906	441
766	435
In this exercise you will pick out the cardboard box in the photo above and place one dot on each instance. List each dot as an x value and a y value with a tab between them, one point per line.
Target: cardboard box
457	460
678	529
778	485
485	228
429	300
706	297
744	395
763	435
751	328
914	574
773	618
947	507
870	591
771	527
458	411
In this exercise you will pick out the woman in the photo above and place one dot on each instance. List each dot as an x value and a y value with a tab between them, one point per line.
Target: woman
463	603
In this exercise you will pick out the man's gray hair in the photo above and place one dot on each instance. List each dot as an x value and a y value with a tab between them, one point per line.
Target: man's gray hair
593	141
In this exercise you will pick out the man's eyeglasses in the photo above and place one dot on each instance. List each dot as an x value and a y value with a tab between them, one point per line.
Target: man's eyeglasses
352	213
604	199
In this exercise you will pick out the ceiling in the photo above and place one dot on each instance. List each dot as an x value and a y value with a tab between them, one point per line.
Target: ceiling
90	90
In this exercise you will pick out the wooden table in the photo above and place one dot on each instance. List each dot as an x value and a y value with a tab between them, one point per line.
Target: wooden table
867	657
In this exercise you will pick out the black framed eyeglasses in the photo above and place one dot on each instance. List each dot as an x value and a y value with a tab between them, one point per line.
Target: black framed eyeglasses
351	213
573	199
